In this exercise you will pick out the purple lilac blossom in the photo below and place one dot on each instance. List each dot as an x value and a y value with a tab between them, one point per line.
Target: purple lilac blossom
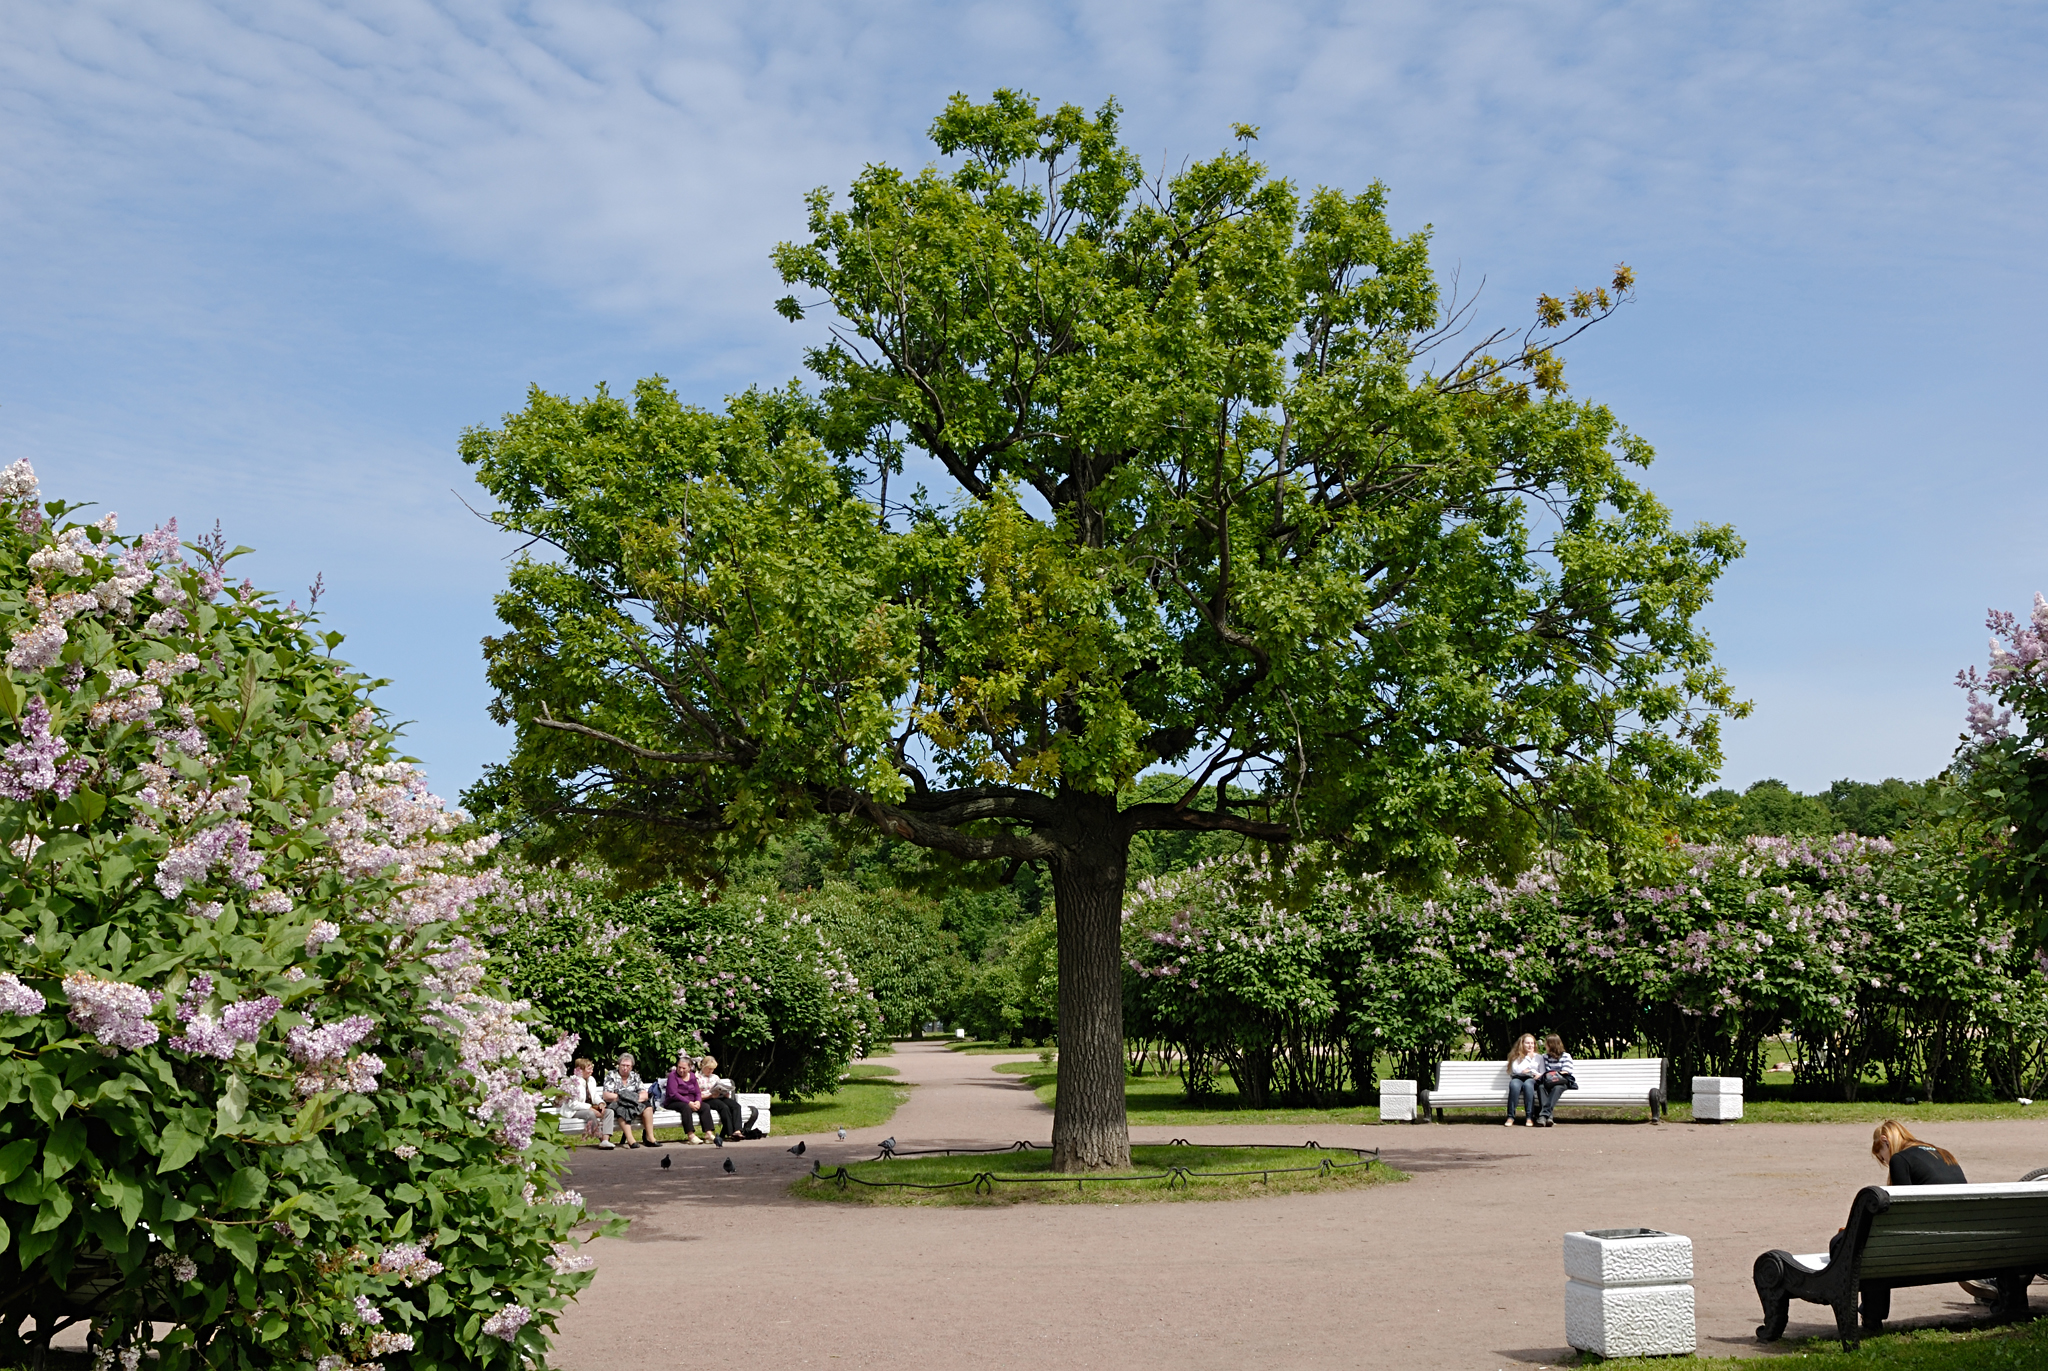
31	765
16	998
113	1012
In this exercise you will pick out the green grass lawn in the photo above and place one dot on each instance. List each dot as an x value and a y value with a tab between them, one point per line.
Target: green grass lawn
1146	1161
1934	1349
1159	1100
865	1098
974	1048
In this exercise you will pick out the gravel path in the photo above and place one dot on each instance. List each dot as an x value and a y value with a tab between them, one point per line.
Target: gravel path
1458	1268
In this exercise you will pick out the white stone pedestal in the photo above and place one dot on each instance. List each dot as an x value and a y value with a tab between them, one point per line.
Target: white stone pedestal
1716	1099
1397	1101
1628	1292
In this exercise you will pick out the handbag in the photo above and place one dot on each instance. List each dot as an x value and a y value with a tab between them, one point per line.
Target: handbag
1559	1078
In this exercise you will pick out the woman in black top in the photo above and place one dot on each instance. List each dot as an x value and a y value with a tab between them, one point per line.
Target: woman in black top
1908	1161
1912	1162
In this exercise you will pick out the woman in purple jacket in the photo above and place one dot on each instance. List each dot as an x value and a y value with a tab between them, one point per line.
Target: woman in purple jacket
684	1095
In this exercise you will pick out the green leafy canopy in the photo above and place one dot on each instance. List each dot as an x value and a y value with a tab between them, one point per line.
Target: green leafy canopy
1241	499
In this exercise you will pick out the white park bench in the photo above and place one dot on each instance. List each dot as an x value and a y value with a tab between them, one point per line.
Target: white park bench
754	1113
1912	1235
1619	1082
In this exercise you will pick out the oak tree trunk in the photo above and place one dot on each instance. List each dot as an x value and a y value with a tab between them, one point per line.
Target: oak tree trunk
1089	1132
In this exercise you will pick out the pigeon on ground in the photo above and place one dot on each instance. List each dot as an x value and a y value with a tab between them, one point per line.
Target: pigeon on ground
717	1140
797	1151
842	1135
664	1163
888	1144
729	1167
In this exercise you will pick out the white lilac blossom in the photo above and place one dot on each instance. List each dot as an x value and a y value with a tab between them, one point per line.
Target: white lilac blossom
29	768
272	902
567	1260
494	1044
409	1263
382	1344
321	934
405	1152
16	998
18	483
113	1012
507	1322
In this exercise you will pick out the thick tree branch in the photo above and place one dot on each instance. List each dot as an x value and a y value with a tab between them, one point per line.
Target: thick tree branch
1157	817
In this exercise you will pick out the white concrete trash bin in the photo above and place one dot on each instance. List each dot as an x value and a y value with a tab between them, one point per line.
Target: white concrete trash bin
1397	1101
1628	1292
1716	1099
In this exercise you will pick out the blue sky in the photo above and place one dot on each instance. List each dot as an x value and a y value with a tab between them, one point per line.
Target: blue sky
264	262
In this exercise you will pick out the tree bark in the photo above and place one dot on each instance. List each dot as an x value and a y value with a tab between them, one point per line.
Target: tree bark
1089	1130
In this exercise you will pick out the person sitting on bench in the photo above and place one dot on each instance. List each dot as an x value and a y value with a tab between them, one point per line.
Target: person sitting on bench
625	1104
1912	1162
717	1100
685	1096
582	1100
1908	1161
1554	1079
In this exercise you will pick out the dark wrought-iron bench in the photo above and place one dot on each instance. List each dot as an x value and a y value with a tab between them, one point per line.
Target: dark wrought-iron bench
1912	1235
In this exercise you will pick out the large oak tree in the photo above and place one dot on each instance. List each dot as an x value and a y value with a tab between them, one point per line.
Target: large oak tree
1238	496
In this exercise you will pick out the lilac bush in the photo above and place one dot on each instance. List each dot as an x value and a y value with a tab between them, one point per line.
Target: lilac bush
2001	766
749	975
1861	955
256	1084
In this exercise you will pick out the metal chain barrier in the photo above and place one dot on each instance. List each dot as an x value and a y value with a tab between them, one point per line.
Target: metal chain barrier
1176	1178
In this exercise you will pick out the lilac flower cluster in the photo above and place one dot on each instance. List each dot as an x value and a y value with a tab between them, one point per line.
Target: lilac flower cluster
16	998
206	1036
320	934
224	844
507	1322
2017	651
409	1263
324	1053
115	1013
567	1260
30	766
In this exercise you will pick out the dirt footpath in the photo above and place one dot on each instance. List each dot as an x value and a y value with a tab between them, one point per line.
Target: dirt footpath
1458	1268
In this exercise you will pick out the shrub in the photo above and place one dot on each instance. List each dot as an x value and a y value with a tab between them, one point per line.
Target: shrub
750	976
256	1084
1867	955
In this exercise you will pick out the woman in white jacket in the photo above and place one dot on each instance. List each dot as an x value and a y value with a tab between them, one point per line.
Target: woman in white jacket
582	1099
1525	1064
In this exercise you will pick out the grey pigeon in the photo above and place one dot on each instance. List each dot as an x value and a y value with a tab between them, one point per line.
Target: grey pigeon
717	1141
664	1163
729	1167
797	1151
888	1144
842	1135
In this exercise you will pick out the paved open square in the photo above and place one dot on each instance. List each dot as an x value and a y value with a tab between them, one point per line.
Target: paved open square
1459	1267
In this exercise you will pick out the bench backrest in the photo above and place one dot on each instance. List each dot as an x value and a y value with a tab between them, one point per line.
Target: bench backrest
1631	1078
1929	1230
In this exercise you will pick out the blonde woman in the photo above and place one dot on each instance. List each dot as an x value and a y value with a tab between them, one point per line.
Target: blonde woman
1908	1161
717	1102
1525	1064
